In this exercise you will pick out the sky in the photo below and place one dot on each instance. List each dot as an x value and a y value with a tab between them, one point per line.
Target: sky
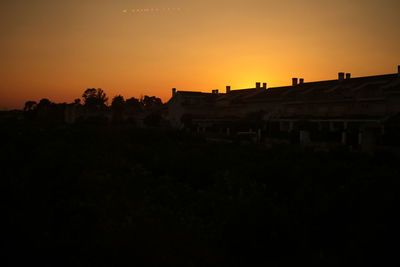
56	49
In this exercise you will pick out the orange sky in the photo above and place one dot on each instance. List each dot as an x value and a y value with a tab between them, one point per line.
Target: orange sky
57	49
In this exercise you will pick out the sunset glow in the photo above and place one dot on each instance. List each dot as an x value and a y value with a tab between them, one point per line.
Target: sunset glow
56	49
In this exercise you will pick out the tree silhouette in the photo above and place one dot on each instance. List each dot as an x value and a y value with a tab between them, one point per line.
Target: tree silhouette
118	103
134	104
30	110
49	112
133	107
44	104
118	108
30	105
151	101
95	98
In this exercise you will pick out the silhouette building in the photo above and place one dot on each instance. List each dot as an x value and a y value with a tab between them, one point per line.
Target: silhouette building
365	107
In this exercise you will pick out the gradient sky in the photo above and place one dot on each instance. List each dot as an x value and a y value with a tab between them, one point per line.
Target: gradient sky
56	49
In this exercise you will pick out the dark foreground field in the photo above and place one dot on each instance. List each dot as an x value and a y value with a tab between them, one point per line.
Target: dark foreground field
118	196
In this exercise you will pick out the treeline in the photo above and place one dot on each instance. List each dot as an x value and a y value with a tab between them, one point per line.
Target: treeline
93	106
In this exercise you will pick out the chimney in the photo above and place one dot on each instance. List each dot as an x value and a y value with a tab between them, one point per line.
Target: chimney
228	89
264	86
215	92
301	81
348	76
173	92
341	76
294	81
258	85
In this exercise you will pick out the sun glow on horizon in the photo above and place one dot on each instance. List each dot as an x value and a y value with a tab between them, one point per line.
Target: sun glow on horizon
196	45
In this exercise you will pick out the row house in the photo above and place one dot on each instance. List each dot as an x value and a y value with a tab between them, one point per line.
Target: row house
348	104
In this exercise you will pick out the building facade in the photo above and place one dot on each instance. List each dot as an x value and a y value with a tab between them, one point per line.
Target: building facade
347	106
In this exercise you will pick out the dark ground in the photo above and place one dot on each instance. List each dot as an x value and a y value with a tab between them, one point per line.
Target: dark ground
93	195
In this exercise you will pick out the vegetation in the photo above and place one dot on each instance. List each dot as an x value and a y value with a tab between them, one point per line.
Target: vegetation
95	98
90	195
95	109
